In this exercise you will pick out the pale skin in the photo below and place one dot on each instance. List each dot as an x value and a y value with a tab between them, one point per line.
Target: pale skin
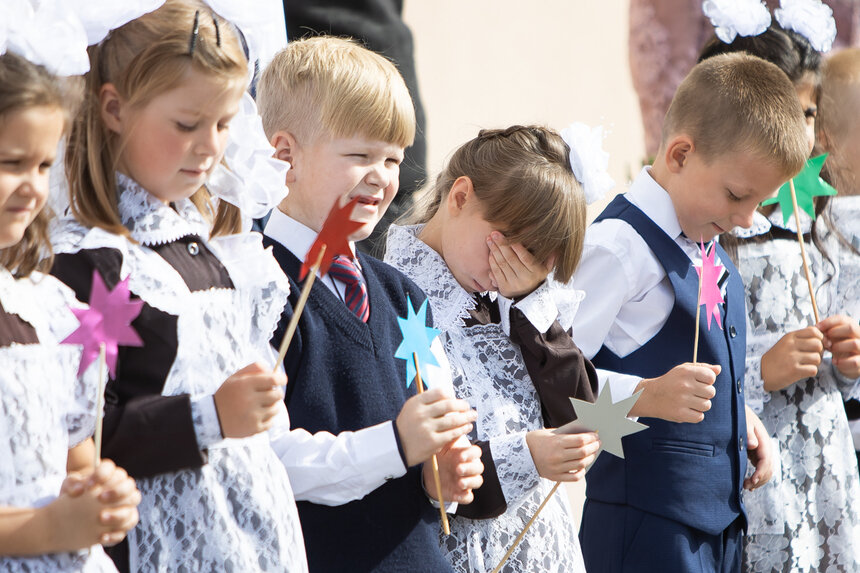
98	507
478	255
326	170
93	506
797	355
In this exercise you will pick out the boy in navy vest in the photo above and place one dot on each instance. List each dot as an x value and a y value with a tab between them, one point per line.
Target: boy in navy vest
733	134
342	116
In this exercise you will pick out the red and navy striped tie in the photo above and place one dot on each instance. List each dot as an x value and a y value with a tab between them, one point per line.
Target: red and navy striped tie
346	271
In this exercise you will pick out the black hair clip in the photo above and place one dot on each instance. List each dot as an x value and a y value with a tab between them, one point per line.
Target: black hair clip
194	31
217	31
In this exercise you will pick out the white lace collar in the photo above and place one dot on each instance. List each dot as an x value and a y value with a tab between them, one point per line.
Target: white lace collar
762	224
150	221
450	302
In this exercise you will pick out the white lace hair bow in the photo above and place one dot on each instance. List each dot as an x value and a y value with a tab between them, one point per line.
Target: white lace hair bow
588	159
253	180
810	18
56	33
50	35
732	18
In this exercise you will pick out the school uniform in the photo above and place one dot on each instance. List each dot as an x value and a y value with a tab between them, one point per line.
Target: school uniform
674	503
343	376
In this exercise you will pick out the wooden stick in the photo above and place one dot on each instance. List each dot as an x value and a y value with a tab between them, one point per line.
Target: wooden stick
526	528
297	312
803	252
100	407
445	527
698	313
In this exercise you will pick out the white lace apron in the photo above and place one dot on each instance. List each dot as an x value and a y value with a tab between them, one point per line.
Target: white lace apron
489	373
236	512
46	408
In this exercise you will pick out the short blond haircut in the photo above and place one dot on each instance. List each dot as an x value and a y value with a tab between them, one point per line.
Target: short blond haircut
525	187
326	87
739	103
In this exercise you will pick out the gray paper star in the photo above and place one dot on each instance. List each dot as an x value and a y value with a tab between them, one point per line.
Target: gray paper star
608	419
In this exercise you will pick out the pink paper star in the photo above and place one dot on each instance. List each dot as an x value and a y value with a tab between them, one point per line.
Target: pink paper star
107	321
709	274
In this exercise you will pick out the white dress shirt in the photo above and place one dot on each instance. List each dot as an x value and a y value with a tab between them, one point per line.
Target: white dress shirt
329	469
628	297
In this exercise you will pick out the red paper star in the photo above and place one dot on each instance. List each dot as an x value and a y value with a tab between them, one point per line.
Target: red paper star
107	321
335	236
711	297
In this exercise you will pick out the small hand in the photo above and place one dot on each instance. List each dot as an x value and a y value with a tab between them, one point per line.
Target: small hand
513	270
248	401
562	457
842	339
759	451
460	470
430	421
796	356
683	394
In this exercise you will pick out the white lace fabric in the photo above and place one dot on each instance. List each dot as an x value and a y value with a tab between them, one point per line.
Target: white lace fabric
807	517
489	373
237	512
46	408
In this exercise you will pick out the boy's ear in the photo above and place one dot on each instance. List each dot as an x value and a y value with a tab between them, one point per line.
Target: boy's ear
111	106
461	192
678	151
286	149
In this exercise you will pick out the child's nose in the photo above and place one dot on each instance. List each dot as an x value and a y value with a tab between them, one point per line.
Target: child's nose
743	218
209	142
379	176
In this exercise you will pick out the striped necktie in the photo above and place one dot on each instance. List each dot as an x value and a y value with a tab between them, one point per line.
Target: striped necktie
346	271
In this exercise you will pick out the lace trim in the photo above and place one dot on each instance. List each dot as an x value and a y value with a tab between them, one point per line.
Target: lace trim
449	301
152	222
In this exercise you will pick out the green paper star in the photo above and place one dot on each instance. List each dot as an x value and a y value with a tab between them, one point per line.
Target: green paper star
608	419
808	184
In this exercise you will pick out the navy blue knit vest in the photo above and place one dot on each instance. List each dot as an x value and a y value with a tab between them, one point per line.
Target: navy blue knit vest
343	377
690	473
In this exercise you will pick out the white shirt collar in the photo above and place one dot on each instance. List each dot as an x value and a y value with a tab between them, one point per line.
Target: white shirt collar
296	237
655	202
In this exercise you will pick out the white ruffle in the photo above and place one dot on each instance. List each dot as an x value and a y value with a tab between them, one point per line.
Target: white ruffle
812	19
99	17
253	180
588	160
152	222
732	18
51	35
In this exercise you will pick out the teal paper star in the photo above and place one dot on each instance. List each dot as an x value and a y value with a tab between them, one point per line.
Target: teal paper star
608	419
417	338
808	184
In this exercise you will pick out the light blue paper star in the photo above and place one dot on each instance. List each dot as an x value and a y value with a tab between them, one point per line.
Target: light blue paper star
417	338
608	419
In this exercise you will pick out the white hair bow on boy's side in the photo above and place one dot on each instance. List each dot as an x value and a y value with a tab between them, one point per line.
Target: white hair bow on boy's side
732	18
810	18
588	160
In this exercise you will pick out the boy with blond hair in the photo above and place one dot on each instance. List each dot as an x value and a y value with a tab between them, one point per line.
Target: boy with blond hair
342	117
733	135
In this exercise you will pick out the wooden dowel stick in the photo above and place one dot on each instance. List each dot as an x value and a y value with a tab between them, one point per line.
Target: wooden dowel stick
698	313
526	528
297	312
531	521
100	407
445	527
803	252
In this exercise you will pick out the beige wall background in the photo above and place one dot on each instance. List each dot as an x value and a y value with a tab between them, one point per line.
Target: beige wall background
494	63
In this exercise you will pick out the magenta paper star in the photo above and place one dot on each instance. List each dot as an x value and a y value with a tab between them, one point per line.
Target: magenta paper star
709	274
107	321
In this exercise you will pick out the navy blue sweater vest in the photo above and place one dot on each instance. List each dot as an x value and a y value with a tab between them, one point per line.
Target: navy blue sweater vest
690	473
343	377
